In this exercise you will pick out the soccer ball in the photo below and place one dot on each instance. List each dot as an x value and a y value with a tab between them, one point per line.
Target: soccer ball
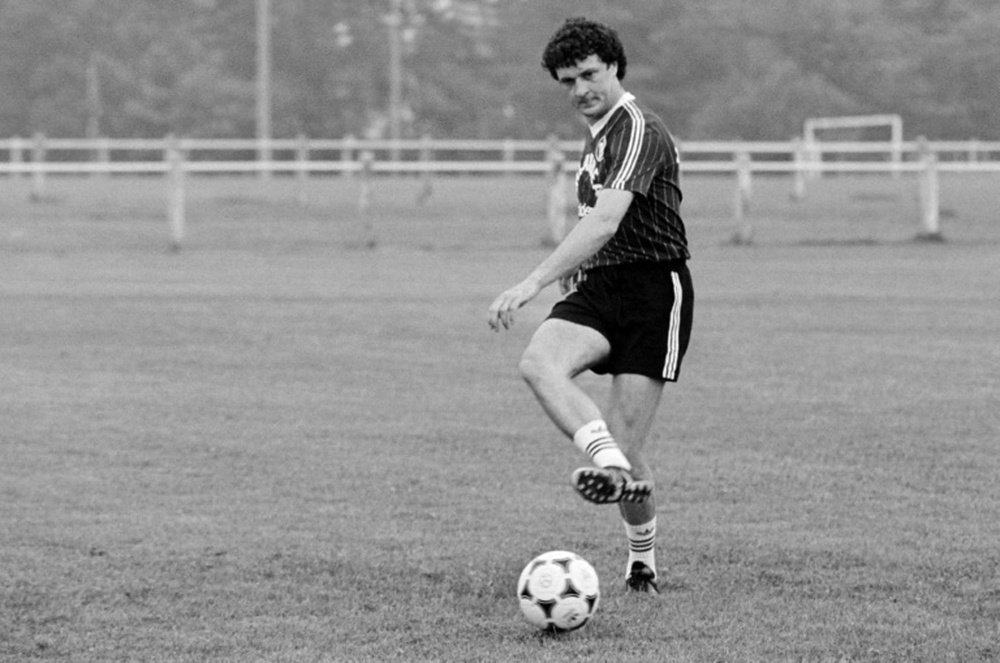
558	591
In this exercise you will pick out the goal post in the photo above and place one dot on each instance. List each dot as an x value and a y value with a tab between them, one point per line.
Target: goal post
818	124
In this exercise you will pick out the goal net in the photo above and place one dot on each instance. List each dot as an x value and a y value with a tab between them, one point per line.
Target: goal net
856	138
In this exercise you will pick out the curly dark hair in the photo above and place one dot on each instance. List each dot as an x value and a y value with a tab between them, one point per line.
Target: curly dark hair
578	39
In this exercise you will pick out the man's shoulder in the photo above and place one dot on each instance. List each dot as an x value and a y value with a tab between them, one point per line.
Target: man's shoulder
635	117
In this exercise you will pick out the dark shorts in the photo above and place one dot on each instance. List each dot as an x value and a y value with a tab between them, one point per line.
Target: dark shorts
644	310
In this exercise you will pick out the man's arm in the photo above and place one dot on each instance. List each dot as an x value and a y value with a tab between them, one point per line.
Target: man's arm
584	240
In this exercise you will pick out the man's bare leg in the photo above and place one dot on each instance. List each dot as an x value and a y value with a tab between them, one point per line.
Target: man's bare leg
557	353
633	403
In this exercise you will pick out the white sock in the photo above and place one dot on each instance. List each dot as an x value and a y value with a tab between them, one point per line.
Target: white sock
642	544
595	440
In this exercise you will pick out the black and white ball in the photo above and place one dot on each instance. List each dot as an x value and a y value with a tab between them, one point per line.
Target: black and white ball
558	591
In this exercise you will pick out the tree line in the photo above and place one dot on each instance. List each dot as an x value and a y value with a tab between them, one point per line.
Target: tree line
714	69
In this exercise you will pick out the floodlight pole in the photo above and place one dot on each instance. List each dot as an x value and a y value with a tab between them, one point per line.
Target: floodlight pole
264	83
394	20
93	97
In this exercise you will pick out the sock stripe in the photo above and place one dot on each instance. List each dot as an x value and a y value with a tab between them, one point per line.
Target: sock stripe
600	444
595	440
642	546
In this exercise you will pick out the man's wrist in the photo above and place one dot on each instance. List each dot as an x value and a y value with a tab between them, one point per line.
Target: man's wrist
535	280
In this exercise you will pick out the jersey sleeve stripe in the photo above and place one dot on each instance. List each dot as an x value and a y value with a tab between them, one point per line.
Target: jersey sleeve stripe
632	153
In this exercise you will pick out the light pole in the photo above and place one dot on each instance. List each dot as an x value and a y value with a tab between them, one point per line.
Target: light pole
394	21
264	83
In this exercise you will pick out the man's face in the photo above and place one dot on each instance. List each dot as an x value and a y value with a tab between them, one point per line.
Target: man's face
593	86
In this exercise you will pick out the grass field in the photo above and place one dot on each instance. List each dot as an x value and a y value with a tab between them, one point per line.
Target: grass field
278	445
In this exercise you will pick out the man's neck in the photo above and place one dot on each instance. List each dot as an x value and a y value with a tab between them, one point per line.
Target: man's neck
599	123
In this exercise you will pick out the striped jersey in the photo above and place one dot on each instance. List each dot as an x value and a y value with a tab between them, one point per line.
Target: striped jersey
630	149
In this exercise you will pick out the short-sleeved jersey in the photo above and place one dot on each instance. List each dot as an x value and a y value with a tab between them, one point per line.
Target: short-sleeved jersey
633	151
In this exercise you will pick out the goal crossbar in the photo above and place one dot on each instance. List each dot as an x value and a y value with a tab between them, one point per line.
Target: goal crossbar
812	125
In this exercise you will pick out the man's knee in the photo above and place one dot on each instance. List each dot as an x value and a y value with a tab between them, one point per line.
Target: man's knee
533	365
560	350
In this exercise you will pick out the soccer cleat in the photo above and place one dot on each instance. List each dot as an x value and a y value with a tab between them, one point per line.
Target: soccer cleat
641	579
608	485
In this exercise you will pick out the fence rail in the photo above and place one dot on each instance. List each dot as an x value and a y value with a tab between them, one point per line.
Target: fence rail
124	155
175	158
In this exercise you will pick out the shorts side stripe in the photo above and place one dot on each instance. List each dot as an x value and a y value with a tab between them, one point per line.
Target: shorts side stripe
674	333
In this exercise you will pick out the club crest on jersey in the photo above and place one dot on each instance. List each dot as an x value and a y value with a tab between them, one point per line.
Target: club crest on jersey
599	149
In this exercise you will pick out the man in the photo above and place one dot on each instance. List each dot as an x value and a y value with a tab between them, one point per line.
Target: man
629	298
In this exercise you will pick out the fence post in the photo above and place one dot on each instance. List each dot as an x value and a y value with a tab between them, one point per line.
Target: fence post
367	229
557	192
37	167
176	192
16	154
347	155
364	191
930	198
798	174
265	156
508	155
426	178
741	199
103	154
302	168
813	157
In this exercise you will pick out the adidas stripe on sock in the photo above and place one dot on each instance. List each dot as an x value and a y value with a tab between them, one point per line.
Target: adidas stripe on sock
594	439
642	544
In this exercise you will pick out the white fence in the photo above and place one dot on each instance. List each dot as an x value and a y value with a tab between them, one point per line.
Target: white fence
176	158
347	155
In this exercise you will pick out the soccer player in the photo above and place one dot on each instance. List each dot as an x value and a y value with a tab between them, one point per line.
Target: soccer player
628	301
